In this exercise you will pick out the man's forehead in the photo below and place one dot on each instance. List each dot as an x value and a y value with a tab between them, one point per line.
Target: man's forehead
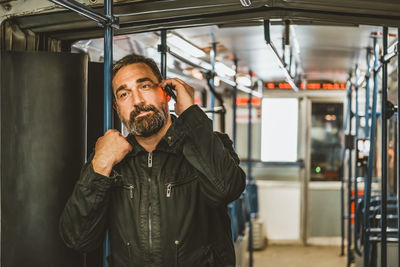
137	71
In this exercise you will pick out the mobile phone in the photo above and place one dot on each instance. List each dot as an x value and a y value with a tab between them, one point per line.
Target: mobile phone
169	90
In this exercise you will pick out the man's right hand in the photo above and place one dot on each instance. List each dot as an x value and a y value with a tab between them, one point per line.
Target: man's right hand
110	149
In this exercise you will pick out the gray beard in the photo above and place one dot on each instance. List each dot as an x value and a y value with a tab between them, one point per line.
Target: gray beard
148	124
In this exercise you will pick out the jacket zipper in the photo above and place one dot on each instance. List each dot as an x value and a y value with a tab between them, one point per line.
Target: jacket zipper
150	165
129	187
150	160
128	244
176	252
171	185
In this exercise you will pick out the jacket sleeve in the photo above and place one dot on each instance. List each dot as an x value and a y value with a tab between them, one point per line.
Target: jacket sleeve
83	221
212	154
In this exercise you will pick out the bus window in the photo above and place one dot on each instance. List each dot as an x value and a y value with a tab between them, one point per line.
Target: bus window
326	124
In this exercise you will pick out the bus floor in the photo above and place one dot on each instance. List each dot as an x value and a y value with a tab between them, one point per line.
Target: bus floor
299	256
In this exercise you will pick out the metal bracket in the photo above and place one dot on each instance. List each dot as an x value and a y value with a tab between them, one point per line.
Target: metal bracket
390	109
101	19
162	48
349	141
281	63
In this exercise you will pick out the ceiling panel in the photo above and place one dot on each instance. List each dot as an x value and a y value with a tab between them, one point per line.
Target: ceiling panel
326	52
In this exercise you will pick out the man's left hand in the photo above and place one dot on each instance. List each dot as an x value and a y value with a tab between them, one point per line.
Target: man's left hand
184	94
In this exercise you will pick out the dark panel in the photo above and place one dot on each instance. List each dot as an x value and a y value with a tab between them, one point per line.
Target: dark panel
43	113
96	105
94	131
95	109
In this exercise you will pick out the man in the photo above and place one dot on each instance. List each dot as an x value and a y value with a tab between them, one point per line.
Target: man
163	191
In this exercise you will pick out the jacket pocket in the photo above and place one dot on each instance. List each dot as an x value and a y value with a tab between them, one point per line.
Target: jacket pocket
119	184
130	188
127	190
171	185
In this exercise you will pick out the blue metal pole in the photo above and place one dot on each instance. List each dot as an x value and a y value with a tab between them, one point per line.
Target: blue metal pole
349	197
108	62
357	117
163	49
234	103
342	204
398	157
367	95
384	154
213	54
250	179
371	156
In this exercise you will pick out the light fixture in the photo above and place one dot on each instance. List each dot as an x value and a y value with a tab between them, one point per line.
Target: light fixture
217	81
244	80
185	46
196	73
224	70
245	2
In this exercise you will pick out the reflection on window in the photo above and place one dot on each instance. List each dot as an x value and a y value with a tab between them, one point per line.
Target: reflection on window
279	129
327	122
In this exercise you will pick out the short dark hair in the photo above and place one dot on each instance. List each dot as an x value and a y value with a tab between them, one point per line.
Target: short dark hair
133	58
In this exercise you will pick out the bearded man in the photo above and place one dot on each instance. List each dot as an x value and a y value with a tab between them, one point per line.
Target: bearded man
161	192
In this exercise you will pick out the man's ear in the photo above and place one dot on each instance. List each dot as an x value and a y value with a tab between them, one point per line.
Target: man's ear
114	104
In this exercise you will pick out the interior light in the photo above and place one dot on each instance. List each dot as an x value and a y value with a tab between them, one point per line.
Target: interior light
330	117
217	81
318	169
245	3
224	70
244	80
196	73
185	46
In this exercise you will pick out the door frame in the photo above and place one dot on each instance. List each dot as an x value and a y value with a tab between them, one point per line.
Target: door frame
305	211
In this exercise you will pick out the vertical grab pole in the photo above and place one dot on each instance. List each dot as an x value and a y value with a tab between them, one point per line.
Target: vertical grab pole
345	125
350	166
213	54
367	89
235	60
384	154
357	117
249	177
108	62
163	49
371	156
398	150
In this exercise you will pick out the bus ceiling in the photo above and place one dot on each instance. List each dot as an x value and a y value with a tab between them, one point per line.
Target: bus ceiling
42	16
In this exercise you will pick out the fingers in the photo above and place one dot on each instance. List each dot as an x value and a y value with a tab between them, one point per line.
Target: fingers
117	135
179	86
184	94
112	131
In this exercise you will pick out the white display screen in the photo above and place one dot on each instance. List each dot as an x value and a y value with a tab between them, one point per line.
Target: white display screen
279	129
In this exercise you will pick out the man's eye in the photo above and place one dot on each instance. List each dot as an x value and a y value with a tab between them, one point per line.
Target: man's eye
146	86
122	95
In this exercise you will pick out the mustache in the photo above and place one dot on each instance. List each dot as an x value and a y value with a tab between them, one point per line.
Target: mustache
141	108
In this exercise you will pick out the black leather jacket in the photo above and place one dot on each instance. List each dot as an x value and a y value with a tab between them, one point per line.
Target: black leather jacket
165	208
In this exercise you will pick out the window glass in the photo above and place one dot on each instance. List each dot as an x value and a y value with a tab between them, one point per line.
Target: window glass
326	125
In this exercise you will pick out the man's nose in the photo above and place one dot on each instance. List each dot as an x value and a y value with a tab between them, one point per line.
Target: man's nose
137	97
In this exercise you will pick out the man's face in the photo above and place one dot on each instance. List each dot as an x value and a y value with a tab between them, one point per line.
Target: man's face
141	104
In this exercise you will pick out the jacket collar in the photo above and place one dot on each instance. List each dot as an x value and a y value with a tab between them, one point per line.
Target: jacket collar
170	142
